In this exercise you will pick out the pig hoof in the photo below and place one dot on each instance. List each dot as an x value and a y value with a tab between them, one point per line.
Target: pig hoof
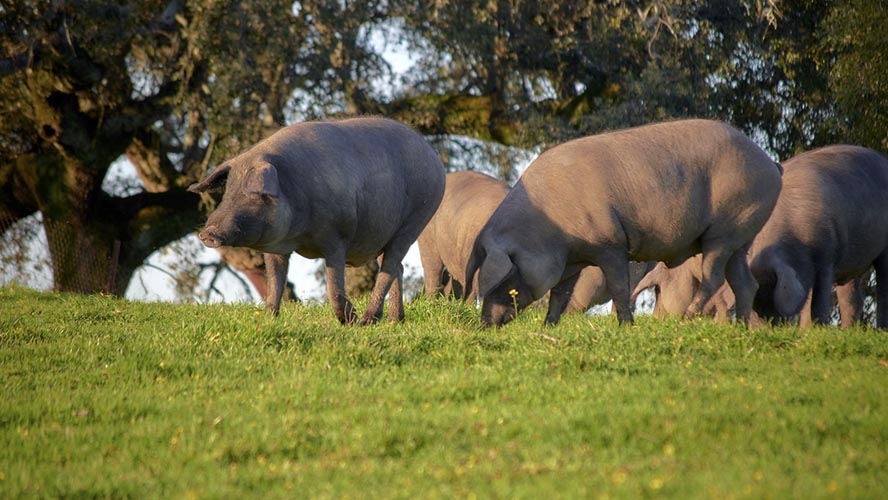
369	319
348	319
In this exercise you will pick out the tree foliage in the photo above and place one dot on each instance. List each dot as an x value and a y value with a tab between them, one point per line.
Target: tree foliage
176	86
858	46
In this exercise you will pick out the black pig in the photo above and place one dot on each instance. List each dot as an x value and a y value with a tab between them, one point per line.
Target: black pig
346	191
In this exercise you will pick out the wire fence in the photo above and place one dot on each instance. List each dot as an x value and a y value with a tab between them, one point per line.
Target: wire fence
52	255
48	255
24	254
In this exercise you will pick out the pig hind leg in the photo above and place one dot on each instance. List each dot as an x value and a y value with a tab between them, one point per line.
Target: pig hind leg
850	299
396	296
881	265
433	272
390	272
712	271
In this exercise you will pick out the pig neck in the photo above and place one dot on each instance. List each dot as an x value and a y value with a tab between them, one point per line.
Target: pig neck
289	231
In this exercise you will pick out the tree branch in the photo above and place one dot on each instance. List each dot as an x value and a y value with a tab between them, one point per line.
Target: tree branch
139	113
173	200
148	153
466	114
478	116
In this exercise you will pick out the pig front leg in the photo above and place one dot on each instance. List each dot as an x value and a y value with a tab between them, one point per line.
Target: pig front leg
821	296
390	272
454	288
589	288
805	314
276	266
335	267
559	298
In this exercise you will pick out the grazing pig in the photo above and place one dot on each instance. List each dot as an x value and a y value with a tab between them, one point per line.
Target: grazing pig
445	243
675	288
660	192
470	198
829	226
348	191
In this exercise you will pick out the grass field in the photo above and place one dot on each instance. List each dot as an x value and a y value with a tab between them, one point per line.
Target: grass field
107	398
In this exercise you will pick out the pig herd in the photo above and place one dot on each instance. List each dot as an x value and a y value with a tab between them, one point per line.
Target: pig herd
692	208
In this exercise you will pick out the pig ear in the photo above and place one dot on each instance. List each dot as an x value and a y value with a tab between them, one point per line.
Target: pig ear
264	180
211	181
497	266
789	295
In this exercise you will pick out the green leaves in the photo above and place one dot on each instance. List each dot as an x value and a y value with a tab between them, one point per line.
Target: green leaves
859	76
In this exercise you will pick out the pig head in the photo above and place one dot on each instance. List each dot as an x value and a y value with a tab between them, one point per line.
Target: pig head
660	192
347	191
829	227
252	212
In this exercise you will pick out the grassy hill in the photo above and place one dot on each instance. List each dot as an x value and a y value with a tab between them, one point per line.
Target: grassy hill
107	398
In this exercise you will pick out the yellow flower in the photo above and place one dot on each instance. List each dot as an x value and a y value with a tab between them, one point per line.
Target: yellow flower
513	292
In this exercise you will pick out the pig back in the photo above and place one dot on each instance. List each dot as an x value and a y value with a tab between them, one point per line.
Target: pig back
469	200
357	183
655	189
834	200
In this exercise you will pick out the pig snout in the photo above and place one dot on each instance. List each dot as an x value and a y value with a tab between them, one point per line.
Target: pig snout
497	315
210	237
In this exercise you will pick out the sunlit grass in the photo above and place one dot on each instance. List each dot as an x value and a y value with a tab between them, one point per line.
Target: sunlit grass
108	398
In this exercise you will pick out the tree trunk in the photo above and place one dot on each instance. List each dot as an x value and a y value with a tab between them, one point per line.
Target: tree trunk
96	242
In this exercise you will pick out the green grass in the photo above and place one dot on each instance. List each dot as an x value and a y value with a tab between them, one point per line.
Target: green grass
107	398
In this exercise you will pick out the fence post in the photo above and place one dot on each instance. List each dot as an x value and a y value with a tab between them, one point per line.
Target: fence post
112	270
